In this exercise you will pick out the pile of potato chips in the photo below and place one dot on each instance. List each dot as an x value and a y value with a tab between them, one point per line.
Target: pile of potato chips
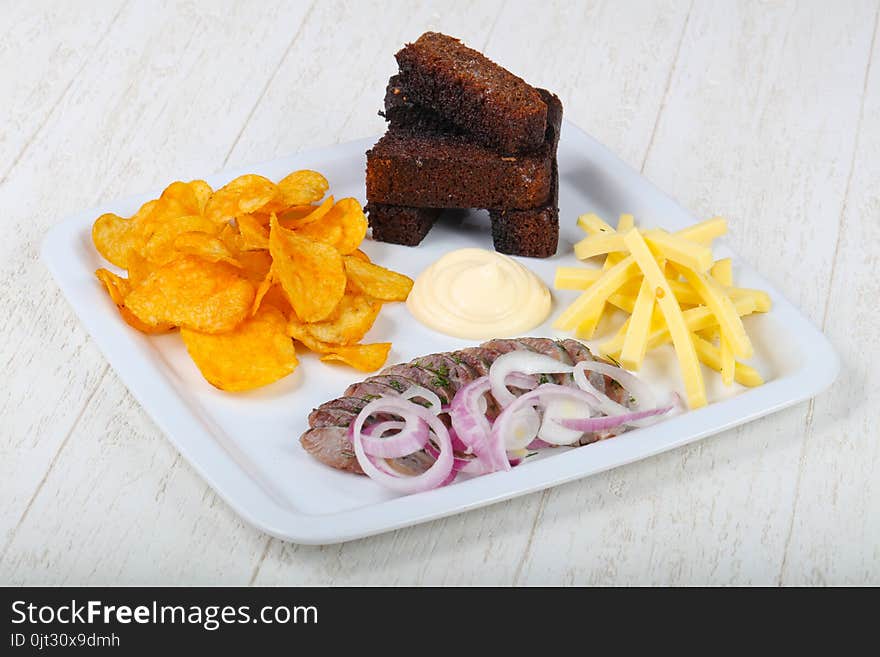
244	270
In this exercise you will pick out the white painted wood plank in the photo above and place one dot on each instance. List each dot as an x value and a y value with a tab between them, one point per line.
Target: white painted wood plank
486	546
42	48
143	111
835	532
122	507
759	125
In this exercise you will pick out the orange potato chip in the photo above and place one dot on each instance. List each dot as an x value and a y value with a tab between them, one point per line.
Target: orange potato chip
117	287
311	274
144	211
160	249
344	227
303	187
262	289
138	268
189	198
254	264
253	234
363	357
211	297
360	255
257	352
115	238
244	195
317	213
202	192
291	215
271	294
349	321
376	281
205	246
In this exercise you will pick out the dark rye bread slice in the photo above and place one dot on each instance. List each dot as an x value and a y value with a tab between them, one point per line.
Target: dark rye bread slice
532	233
401	111
421	164
495	106
398	224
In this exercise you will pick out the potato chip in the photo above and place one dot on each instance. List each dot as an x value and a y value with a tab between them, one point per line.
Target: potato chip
117	287
203	193
254	264
205	246
138	268
376	281
190	198
303	187
311	273
115	238
244	195
363	357
254	354
317	213
344	227
360	255
262	289
159	249
253	234
349	321
211	297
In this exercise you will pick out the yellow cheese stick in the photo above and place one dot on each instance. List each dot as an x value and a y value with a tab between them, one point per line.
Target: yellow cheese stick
598	244
710	356
626	302
721	305
625	222
695	390
705	231
592	300
636	342
587	327
761	298
722	271
697	319
613	346
575	278
727	361
591	224
679	250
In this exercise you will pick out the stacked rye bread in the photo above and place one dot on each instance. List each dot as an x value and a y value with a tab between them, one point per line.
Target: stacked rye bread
465	133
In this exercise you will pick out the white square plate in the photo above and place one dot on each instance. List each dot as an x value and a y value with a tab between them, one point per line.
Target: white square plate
246	445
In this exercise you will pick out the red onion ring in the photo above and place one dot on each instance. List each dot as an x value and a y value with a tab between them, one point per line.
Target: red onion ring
436	475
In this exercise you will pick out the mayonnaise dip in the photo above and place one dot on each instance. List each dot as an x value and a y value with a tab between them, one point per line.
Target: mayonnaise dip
475	294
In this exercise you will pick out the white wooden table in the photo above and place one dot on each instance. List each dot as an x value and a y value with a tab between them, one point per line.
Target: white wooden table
765	112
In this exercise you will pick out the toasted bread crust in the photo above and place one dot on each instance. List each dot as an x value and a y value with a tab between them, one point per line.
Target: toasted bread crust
462	85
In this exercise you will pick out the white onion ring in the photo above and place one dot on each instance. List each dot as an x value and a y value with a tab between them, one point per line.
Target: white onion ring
521	362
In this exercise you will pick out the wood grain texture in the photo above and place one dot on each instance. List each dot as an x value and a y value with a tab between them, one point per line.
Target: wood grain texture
729	106
835	529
